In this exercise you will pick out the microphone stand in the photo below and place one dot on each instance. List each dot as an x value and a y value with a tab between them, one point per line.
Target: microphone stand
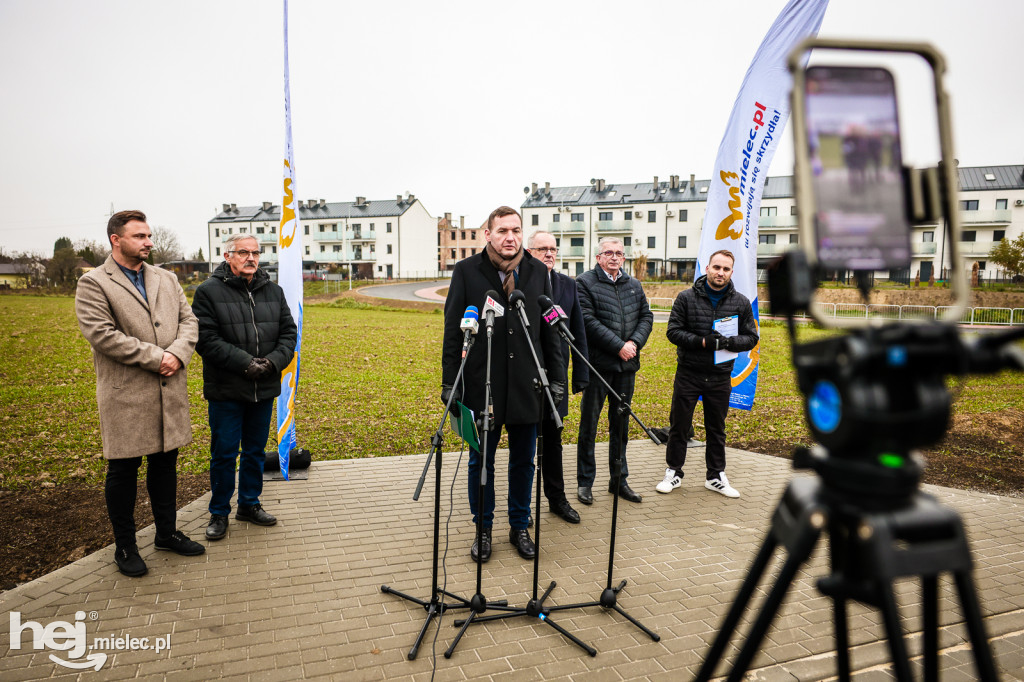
535	607
609	596
436	606
478	604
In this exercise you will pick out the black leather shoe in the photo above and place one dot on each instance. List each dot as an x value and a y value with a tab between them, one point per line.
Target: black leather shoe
179	543
485	540
626	493
584	495
522	542
129	562
564	510
218	527
255	514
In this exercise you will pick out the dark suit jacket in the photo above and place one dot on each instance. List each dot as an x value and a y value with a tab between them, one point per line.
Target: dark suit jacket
512	370
563	292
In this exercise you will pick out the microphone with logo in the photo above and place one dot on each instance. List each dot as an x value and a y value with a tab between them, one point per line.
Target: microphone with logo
553	314
492	309
470	325
517	299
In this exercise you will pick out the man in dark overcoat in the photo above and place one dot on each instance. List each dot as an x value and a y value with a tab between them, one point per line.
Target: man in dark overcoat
563	292
503	266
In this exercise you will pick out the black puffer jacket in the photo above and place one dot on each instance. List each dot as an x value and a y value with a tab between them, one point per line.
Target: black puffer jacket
613	313
239	321
692	318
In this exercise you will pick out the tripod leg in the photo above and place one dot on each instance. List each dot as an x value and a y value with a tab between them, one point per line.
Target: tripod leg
571	637
897	647
838	555
975	627
930	616
432	612
455	642
732	618
654	636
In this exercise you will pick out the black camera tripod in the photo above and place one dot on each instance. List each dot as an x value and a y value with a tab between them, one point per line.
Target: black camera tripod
905	533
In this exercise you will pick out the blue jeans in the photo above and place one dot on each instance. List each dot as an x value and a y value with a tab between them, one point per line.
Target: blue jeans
618	428
234	423
522	443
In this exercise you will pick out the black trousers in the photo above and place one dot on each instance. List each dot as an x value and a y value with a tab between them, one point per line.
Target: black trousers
715	391
121	486
551	466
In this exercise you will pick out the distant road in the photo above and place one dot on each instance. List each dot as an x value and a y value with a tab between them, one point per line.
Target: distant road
408	291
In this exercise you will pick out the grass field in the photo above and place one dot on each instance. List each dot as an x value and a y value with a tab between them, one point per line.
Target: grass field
369	388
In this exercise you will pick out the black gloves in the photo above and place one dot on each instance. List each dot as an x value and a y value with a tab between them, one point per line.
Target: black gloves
714	341
446	394
557	391
259	368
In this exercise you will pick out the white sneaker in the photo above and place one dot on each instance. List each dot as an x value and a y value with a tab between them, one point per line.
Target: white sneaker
721	485
671	482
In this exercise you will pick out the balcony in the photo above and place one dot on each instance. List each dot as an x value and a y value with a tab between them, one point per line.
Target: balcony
360	235
612	226
560	227
327	236
777	221
266	238
976	248
571	252
923	248
994	217
774	249
349	256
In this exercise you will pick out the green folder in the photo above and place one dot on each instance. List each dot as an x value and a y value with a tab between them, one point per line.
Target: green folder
465	426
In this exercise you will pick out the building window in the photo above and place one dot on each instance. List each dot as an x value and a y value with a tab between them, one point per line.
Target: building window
218	251
794	239
242	230
982	264
337	248
323	228
259	230
556	218
453	253
229	230
307	250
683	217
627	216
273	249
389	248
969	205
216	232
472	235
652	216
463	234
322	249
651	241
388	229
371	226
453	235
998	235
576	241
928	236
627	241
577	217
1002	204
766	239
306	228
768	211
604	215
463	253
273	229
535	219
792	210
969	235
682	241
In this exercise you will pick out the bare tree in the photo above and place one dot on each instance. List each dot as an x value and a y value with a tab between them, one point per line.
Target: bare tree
92	251
166	246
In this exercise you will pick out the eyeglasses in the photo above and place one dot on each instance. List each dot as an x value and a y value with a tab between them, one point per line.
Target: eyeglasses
612	254
545	249
245	254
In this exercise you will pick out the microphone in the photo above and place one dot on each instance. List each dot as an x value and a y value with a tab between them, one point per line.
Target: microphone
470	325
517	298
554	315
492	309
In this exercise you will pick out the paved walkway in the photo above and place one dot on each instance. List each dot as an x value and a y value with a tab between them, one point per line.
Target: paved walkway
302	600
408	291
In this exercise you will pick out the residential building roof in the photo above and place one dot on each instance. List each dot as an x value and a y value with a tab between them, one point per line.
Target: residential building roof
379	208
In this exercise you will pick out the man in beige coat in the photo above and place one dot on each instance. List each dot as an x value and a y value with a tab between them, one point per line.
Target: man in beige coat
142	332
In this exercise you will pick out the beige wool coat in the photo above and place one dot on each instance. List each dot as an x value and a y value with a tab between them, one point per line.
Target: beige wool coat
141	412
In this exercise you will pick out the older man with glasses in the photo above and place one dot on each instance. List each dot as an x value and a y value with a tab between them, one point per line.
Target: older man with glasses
246	337
618	321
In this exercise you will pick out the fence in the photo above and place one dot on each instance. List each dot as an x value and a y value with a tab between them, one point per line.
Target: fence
977	316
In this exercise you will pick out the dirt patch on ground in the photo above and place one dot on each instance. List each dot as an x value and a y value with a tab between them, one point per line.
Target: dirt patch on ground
45	529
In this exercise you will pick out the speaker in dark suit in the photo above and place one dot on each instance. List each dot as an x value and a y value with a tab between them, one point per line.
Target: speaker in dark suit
503	266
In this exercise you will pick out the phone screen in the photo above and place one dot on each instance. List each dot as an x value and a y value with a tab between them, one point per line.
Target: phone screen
854	141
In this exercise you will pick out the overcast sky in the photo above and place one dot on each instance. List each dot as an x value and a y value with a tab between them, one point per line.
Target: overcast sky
177	107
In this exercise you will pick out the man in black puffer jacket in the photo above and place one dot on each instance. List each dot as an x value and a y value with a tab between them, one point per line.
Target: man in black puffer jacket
618	321
246	337
691	327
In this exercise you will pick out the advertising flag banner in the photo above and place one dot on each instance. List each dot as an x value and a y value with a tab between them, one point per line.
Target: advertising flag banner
289	255
752	135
